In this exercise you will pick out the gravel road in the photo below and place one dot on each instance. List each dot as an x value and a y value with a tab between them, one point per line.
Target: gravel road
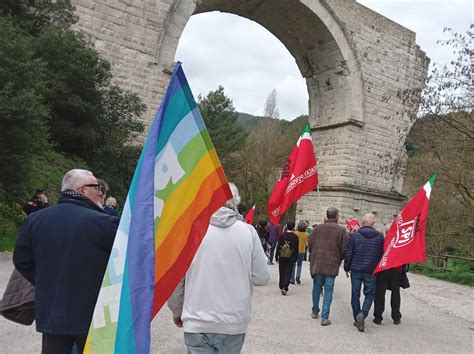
437	317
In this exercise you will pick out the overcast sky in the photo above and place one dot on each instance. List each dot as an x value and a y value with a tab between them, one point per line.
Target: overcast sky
249	62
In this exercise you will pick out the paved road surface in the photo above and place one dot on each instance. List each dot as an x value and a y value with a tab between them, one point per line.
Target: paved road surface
437	317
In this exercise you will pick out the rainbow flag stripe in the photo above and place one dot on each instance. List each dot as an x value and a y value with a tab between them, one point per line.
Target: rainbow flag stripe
177	185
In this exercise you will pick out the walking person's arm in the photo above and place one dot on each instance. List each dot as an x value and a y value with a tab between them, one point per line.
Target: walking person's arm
260	272
175	303
348	256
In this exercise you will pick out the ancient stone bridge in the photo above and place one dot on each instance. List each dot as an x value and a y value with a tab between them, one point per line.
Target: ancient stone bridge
360	68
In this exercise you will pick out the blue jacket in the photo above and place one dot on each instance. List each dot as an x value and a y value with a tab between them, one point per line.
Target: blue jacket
63	250
364	250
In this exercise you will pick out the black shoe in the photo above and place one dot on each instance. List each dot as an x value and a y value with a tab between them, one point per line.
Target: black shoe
377	321
292	282
298	281
397	322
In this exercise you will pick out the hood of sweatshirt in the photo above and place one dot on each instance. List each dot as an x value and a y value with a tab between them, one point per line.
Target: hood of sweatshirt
224	217
368	232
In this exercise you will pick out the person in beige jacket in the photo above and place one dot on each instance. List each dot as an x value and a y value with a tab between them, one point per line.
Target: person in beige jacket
327	244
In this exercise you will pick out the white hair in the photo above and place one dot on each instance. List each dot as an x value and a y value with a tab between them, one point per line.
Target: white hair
111	202
73	179
235	201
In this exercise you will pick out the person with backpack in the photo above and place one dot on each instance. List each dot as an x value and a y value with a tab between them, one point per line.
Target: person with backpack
287	251
302	241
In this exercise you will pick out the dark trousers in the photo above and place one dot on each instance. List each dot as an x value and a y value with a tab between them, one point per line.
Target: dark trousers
388	279
286	268
61	344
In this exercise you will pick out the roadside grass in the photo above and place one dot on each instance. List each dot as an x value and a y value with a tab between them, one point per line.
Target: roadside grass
460	272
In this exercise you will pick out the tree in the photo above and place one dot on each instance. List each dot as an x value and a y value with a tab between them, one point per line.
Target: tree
80	112
271	109
226	134
442	141
22	111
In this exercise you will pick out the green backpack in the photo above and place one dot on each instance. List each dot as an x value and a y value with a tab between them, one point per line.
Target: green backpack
286	251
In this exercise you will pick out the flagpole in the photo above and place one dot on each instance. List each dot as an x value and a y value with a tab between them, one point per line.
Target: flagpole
317	188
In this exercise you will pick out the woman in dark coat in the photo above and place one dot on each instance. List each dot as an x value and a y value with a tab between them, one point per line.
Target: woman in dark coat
287	250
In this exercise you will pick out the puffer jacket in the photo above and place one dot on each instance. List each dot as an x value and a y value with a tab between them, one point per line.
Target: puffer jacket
18	303
364	250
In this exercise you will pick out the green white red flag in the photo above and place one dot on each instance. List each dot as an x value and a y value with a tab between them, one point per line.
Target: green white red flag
405	241
298	177
249	217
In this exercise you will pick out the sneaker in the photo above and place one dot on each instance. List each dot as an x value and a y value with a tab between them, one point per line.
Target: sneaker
325	322
298	281
314	316
360	322
397	322
377	321
283	292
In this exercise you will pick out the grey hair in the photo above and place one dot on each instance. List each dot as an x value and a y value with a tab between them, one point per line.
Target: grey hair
111	202
73	178
235	201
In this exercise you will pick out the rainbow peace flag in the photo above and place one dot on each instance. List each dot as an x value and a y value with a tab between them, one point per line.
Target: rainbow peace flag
177	185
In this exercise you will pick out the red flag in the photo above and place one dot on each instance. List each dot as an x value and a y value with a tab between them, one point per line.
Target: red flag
405	241
249	217
298	177
352	224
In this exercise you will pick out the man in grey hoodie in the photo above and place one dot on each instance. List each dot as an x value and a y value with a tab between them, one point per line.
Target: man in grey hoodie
213	302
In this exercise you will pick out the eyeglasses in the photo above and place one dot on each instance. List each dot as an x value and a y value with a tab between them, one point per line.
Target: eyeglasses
96	186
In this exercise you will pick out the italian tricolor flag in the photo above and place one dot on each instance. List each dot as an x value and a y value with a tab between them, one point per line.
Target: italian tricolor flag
405	241
298	177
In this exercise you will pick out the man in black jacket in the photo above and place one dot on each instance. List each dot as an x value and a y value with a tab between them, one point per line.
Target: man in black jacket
63	250
363	252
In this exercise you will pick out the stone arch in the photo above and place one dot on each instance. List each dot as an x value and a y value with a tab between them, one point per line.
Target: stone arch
358	67
314	37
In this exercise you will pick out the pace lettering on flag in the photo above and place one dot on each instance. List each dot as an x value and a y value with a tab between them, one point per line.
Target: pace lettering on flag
405	241
177	185
249	217
298	177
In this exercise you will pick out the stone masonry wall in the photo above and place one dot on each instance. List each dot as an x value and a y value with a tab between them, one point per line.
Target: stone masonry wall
357	63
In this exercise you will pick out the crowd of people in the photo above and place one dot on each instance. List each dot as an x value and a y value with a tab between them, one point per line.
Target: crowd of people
69	243
329	244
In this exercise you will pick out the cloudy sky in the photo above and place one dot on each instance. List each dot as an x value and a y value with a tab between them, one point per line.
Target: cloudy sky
249	62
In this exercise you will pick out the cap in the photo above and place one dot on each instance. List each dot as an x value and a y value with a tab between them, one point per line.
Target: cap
40	190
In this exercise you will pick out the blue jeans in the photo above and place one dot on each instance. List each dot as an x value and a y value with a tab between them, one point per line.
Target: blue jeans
213	343
357	279
297	267
326	281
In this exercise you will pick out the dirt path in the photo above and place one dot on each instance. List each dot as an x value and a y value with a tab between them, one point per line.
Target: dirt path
437	317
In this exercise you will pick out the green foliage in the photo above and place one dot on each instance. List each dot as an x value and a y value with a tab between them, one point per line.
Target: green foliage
221	122
58	108
22	112
47	172
462	272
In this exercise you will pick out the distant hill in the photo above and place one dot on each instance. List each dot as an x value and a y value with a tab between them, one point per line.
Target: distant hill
292	128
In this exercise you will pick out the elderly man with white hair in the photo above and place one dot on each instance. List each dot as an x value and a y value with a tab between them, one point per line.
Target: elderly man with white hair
63	250
213	302
363	252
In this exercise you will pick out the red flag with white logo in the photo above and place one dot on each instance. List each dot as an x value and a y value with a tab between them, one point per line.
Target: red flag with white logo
405	241
249	217
298	177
